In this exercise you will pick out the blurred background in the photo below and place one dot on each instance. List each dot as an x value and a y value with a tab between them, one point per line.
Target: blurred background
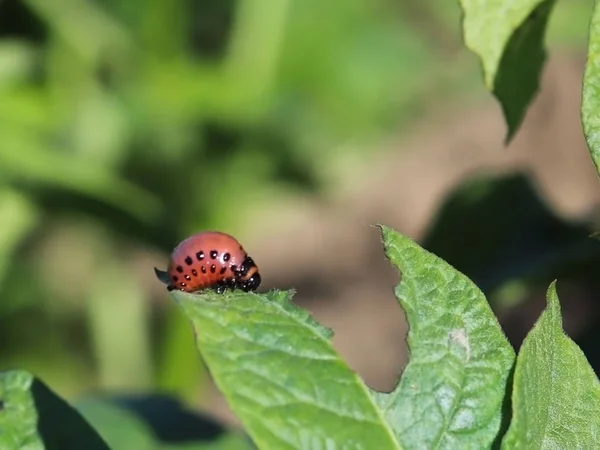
126	126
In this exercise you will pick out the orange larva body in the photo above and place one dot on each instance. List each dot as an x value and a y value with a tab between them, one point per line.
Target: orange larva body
210	260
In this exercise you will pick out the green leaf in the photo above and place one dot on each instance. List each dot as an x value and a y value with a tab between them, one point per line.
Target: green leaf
33	417
17	61
556	395
277	368
224	442
84	25
280	374
125	430
37	164
18	218
120	428
508	37
179	370
590	104
451	393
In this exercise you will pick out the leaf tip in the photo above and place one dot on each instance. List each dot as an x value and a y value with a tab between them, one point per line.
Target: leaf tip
553	304
382	228
386	233
510	133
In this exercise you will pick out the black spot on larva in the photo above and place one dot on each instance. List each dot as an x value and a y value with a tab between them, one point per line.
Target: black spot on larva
194	272
213	268
223	270
203	269
214	254
226	257
200	255
179	269
175	279
189	260
187	277
182	284
234	268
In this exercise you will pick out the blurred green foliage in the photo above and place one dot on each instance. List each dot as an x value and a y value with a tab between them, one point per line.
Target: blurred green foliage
126	125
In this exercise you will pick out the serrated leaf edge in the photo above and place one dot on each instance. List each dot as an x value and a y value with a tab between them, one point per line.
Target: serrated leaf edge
323	333
384	398
552	315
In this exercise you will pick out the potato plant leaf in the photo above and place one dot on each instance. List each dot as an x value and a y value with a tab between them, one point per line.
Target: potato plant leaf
556	394
125	430
508	37
119	428
451	393
280	374
590	104
33	417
